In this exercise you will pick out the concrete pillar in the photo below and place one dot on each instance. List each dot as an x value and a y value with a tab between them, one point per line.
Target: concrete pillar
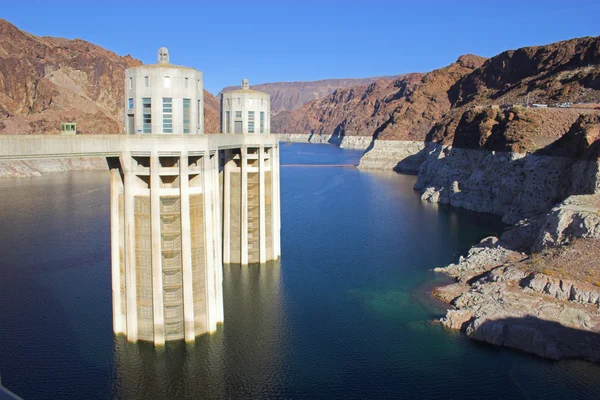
129	231
158	310
186	248
116	185
262	197
209	247
218	239
227	208
275	209
244	211
278	202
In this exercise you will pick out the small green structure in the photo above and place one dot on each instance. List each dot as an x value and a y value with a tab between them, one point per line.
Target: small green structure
68	128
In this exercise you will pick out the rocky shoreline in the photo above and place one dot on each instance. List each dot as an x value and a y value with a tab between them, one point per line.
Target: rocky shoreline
546	303
536	288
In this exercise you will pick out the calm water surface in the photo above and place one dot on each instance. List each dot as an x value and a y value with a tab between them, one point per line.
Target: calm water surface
343	315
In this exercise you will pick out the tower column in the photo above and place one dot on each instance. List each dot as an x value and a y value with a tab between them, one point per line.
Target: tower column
209	240
219	316
186	248
129	233
116	187
244	211
158	311
261	201
227	208
275	201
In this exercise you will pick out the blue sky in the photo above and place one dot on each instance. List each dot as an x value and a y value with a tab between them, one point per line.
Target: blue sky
272	41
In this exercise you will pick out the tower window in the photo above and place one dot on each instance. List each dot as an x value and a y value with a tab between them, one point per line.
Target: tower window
238	101
167	115
250	121
167	82
238	114
262	122
146	81
147	115
187	112
186	82
130	83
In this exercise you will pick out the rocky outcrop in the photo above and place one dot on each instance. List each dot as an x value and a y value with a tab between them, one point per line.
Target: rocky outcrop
355	142
398	155
510	184
577	216
545	302
515	185
59	80
562	71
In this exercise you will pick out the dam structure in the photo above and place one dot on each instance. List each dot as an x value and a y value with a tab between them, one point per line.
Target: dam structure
181	206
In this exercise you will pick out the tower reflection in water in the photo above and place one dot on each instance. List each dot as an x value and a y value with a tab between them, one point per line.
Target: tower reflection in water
244	358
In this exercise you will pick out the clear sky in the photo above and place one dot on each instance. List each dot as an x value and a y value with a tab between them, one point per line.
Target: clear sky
273	41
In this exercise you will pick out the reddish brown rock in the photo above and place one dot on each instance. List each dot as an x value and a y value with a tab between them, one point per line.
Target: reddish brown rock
287	96
405	108
45	81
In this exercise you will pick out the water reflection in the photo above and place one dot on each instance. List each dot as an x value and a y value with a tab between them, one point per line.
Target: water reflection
243	359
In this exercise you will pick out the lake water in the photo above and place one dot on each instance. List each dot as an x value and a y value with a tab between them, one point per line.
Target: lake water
344	315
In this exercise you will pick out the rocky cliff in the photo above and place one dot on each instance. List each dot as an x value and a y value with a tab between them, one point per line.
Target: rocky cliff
287	96
45	81
403	109
430	106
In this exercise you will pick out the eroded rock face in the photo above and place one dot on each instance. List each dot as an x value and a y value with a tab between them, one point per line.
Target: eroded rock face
45	81
573	218
542	303
403	109
548	73
513	185
398	155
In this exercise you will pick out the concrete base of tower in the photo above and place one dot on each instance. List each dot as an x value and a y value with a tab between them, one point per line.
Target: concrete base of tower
176	218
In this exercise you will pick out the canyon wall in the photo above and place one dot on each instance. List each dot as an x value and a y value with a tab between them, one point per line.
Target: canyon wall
45	81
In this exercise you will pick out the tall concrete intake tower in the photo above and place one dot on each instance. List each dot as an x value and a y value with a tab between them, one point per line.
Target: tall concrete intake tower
182	204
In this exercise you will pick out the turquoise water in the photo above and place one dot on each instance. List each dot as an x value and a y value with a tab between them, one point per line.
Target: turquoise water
344	315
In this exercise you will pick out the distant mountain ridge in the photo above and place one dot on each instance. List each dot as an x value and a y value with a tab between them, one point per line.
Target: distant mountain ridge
410	107
292	95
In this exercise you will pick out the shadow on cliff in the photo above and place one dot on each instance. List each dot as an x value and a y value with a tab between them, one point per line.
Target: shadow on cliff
544	338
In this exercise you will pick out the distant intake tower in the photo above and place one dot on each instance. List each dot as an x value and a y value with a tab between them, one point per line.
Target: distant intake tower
245	111
164	98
